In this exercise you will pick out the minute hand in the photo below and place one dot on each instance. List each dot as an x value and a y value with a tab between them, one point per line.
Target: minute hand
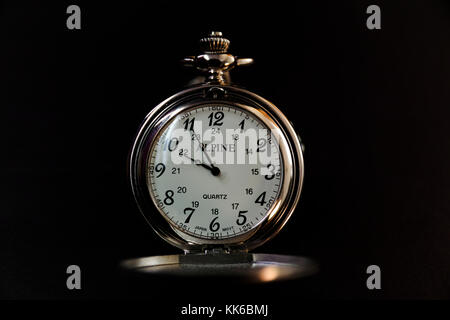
203	146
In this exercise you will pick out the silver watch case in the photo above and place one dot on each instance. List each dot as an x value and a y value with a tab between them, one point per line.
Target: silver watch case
290	147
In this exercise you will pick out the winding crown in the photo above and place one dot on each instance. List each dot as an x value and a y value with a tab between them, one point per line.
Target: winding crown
215	61
214	43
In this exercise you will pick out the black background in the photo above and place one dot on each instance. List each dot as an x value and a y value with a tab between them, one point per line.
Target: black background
372	107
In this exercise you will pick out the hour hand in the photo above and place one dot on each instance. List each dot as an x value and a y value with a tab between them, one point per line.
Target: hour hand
214	170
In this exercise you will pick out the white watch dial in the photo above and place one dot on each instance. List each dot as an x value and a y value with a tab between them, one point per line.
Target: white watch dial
215	171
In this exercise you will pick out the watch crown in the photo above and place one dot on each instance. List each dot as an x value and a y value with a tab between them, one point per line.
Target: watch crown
215	61
214	43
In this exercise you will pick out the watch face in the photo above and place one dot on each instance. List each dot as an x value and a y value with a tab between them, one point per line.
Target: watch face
215	171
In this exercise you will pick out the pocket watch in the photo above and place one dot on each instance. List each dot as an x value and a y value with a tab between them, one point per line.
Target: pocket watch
216	167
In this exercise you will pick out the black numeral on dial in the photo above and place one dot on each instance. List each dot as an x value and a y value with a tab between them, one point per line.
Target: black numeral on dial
271	168
189	212
242	219
214	225
160	168
168	200
172	145
261	198
261	144
176	171
215	118
189	124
